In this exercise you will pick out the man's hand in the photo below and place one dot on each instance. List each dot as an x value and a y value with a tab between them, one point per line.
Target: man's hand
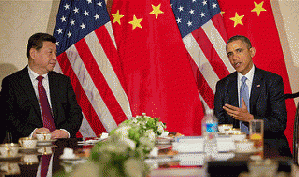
59	134
238	113
40	130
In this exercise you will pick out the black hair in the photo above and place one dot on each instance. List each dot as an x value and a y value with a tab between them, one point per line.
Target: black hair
242	38
36	41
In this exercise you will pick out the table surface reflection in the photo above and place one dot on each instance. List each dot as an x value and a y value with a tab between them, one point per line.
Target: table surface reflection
28	161
23	167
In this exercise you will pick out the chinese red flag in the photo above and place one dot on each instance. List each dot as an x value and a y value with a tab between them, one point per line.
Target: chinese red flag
156	64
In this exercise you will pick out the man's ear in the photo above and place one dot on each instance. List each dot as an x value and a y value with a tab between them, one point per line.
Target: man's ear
32	53
252	52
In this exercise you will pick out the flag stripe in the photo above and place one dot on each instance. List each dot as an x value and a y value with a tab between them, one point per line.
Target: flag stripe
218	44
210	53
213	32
201	61
103	117
219	25
204	74
86	130
107	43
109	28
87	108
205	91
98	79
107	69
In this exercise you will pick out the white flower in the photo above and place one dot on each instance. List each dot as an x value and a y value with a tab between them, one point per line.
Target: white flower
123	130
154	152
160	128
150	134
143	131
129	142
147	143
134	120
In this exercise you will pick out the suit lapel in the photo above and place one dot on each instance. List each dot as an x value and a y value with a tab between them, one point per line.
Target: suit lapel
232	88
26	84
255	88
53	94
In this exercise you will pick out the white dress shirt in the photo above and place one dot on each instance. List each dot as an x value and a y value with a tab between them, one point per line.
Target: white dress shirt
45	83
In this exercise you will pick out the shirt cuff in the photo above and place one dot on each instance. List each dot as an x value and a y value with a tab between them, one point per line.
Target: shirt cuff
69	135
30	136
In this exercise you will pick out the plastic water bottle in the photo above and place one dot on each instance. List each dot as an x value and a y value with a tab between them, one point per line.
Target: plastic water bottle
209	125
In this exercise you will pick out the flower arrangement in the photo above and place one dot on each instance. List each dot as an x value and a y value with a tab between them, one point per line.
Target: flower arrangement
140	132
123	153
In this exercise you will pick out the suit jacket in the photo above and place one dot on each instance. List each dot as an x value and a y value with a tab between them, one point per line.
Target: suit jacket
266	102
22	110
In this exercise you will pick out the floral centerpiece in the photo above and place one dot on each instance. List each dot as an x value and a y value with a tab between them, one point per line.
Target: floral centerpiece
140	132
123	153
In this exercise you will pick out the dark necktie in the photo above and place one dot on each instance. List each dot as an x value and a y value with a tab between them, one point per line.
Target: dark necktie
45	165
244	93
48	120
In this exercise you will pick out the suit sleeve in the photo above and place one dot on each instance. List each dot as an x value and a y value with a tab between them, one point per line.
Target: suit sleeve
73	112
3	129
275	118
219	97
15	110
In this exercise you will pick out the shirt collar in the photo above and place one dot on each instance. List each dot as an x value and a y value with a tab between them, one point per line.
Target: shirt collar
249	75
34	75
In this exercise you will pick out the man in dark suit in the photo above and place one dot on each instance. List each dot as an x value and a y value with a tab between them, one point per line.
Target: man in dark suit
265	97
23	108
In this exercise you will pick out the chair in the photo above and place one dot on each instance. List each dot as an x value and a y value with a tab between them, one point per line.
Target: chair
296	136
291	95
296	128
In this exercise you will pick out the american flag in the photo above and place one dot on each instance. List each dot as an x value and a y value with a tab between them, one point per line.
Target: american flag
87	53
204	36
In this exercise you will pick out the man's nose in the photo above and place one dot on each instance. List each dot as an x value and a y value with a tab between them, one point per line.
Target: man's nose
54	56
234	56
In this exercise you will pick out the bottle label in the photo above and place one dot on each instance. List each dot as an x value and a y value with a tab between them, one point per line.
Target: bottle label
212	127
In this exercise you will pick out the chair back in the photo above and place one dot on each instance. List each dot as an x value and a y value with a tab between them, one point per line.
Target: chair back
296	136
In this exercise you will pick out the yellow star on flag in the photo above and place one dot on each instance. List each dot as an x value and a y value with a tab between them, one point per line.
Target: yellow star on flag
258	8
156	10
117	17
136	22
237	19
222	13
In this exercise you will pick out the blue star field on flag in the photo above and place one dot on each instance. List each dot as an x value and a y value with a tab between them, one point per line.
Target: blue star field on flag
192	14
77	18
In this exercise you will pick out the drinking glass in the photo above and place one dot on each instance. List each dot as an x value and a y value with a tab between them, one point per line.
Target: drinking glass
256	134
8	138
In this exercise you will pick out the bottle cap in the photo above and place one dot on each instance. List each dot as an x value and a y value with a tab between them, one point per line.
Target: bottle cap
209	112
